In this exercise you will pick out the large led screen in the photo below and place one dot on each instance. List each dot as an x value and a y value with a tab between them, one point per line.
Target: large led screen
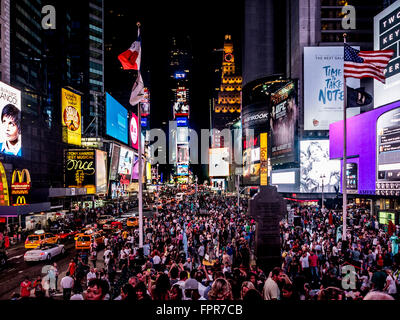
386	37
80	169
283	123
101	171
133	131
126	162
219	162
362	147
323	87
182	154
317	168
388	152
71	117
116	119
114	162
10	110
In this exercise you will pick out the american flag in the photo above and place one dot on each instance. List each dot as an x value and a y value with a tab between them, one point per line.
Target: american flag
365	64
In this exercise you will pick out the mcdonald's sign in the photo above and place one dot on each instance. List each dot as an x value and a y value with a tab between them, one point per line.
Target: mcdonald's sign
4	193
20	186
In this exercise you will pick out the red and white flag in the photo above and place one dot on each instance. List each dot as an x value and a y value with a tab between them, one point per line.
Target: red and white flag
130	59
137	93
366	64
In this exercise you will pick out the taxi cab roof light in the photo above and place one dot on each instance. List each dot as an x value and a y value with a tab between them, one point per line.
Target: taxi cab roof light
39	232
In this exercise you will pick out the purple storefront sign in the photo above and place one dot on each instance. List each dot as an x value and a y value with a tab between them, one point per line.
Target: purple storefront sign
361	145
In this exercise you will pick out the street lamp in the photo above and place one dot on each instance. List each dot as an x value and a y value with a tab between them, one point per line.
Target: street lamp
322	176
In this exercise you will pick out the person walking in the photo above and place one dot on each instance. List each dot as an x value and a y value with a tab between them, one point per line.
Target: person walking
67	284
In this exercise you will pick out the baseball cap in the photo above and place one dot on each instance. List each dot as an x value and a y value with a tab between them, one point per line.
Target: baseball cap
191	284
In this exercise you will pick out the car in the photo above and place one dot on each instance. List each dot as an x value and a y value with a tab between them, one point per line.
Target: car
109	224
83	241
45	251
104	219
34	240
66	234
132	222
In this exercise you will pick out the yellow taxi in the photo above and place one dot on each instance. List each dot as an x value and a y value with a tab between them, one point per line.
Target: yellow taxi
40	237
84	240
132	222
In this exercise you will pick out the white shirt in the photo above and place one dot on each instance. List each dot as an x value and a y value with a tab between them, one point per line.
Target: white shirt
392	285
304	261
67	282
9	148
156	259
90	276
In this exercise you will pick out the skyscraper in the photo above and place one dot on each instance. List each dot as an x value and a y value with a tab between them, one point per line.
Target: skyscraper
227	105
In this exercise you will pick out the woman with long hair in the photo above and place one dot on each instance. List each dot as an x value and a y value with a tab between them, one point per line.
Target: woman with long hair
220	290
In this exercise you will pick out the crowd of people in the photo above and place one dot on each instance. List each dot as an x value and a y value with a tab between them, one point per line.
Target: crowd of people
202	248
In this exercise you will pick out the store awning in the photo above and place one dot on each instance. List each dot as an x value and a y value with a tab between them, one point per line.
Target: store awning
24	210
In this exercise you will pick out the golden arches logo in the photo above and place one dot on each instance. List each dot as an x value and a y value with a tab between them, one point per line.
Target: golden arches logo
23	176
21	201
4	194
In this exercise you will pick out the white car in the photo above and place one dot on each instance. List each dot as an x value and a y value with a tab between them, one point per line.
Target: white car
44	252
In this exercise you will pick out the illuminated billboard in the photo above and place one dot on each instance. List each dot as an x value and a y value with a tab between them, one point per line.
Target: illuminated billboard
4	192
10	110
71	117
386	37
352	177
145	103
148	171
283	122
133	131
288	177
323	87
388	151
181	121
182	170
20	187
219	162
317	168
116	119
371	143
126	163
182	154
114	162
181	109
80	169
101	172
251	161
182	134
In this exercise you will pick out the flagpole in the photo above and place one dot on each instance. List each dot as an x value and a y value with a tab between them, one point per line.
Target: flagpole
344	178
140	169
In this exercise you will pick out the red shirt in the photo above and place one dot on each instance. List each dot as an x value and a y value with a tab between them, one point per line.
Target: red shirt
72	268
312	259
25	291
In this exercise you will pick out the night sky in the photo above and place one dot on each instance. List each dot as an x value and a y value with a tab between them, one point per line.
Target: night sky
205	22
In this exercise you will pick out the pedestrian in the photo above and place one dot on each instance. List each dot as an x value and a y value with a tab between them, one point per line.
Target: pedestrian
26	287
67	283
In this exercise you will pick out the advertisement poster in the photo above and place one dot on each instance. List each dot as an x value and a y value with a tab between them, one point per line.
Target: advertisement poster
71	117
251	161
125	163
182	170
182	135
263	159
20	187
183	154
101	172
283	123
323	87
133	131
114	162
219	162
4	191
80	169
352	177
10	110
316	168
116	119
387	37
388	152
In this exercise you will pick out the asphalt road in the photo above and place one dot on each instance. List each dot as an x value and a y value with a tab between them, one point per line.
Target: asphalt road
16	270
